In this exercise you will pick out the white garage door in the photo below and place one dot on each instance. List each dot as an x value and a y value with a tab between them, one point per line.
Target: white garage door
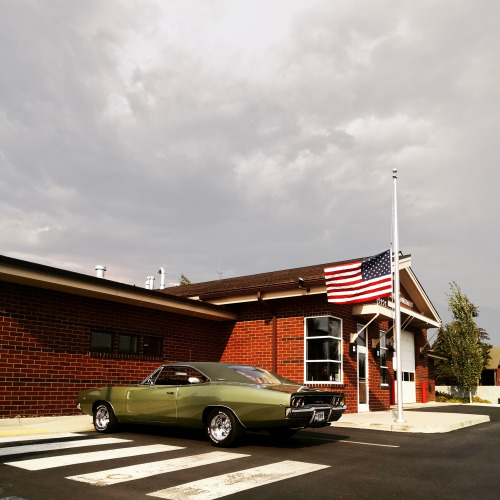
408	367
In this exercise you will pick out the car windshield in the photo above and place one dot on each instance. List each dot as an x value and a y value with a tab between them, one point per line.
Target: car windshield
255	374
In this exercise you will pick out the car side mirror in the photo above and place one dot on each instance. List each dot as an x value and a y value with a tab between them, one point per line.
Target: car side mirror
194	380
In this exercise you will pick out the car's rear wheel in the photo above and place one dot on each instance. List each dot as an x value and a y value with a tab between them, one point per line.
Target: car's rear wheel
223	428
104	418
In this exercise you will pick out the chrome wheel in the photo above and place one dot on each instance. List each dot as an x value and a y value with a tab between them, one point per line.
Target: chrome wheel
104	418
223	429
220	426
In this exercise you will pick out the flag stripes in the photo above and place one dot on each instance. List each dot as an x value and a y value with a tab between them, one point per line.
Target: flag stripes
360	281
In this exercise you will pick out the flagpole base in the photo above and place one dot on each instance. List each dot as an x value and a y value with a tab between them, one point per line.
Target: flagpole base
400	421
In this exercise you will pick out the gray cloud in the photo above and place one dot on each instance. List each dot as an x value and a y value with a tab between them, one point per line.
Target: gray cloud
257	135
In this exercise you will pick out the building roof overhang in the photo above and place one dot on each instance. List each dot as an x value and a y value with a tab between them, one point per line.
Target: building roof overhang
385	309
50	278
286	285
434	355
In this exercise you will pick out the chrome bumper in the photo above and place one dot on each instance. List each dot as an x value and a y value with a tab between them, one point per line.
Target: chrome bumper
308	416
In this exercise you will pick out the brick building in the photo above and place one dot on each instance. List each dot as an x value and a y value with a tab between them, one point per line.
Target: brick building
61	332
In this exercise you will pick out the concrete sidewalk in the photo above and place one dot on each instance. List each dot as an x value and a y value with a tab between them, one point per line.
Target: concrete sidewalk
44	425
416	421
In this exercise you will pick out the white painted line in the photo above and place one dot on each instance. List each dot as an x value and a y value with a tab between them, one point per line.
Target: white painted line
38	437
140	471
349	441
369	444
227	484
32	448
91	456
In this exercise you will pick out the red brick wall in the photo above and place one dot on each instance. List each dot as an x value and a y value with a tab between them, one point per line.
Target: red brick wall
46	358
45	347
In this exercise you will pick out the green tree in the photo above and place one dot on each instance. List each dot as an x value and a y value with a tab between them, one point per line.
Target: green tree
463	343
183	280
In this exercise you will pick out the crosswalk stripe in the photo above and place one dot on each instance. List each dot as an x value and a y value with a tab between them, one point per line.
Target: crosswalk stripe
31	448
234	482
92	456
140	471
38	437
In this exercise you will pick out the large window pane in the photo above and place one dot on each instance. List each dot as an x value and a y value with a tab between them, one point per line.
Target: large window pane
151	346
317	327
323	372
323	326
323	349
101	341
127	344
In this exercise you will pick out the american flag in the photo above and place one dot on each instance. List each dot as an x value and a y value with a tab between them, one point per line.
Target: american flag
368	279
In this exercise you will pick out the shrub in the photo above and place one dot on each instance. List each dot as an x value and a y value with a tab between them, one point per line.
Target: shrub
444	397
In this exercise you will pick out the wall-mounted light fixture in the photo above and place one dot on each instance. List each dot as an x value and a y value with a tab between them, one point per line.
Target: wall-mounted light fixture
302	285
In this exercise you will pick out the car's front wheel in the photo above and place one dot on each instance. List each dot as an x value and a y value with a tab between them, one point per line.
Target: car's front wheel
223	428
104	418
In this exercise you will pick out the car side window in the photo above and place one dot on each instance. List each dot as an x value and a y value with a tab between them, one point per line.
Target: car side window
179	375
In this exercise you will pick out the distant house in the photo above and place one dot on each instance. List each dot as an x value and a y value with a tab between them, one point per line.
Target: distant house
61	332
491	374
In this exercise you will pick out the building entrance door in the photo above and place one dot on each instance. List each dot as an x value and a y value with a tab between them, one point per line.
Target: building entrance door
408	368
363	388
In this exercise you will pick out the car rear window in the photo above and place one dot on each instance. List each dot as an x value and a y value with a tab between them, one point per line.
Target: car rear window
255	374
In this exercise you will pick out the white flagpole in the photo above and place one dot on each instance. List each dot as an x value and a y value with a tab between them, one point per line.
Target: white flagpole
397	315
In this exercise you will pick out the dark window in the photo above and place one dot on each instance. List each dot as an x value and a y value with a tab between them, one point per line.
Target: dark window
384	371
151	346
101	341
128	344
125	343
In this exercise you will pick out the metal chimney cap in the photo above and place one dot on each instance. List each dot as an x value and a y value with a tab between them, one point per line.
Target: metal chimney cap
100	270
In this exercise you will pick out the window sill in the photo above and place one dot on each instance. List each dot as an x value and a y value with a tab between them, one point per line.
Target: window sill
119	355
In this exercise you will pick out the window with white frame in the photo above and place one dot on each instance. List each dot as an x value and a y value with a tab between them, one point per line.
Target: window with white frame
384	372
323	349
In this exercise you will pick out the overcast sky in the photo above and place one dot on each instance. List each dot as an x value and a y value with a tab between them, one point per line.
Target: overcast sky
249	136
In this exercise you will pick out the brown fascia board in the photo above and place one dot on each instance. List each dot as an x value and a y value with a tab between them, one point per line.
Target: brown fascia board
50	278
273	281
273	287
263	282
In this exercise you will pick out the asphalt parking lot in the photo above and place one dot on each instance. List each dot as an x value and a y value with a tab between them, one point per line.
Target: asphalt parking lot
340	462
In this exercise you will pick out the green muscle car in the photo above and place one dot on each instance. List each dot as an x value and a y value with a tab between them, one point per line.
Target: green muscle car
223	398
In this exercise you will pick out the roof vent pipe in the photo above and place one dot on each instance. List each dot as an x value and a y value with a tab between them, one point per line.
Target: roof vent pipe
161	271
150	282
100	271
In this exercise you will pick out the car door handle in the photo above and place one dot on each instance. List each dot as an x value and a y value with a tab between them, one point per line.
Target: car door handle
170	393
